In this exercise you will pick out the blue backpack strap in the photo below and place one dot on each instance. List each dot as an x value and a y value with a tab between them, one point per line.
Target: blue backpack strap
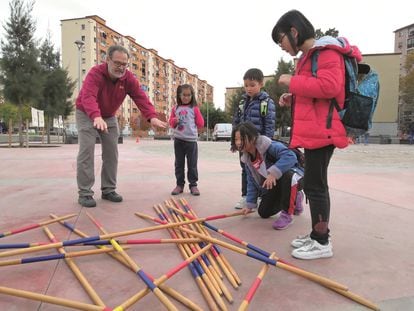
314	66
334	103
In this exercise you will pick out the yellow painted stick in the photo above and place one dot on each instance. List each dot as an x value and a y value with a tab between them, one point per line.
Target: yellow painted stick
114	255
177	296
138	270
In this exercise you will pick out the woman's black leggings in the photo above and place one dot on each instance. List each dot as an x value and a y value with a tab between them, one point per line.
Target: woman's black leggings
317	190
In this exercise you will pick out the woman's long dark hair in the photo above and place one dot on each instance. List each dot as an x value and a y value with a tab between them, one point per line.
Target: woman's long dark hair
297	20
248	132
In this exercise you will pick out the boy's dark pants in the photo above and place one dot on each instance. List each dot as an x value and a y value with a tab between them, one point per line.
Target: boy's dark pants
278	198
317	190
183	149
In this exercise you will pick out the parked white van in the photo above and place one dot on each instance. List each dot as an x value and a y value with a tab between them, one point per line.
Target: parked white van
222	131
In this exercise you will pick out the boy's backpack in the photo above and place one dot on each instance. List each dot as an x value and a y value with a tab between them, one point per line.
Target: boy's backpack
263	107
300	156
361	95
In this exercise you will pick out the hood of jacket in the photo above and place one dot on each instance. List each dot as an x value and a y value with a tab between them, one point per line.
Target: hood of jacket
339	44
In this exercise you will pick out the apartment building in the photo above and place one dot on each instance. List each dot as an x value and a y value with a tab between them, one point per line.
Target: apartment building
85	42
404	44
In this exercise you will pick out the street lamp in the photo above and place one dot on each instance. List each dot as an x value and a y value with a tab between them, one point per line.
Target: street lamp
79	44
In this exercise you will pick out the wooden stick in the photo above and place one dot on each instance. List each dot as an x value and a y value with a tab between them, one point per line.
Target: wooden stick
79	275
19	261
192	249
200	229
356	298
177	296
95	238
228	269
213	273
309	275
50	299
202	270
157	220
203	289
252	290
84	235
33	226
162	279
138	270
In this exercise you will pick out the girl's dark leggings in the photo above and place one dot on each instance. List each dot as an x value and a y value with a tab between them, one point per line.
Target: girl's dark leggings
317	190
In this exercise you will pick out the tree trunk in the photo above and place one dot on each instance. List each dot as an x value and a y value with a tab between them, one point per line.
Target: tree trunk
20	112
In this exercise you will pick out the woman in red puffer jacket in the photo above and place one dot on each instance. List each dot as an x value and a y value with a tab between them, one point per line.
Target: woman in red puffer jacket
309	97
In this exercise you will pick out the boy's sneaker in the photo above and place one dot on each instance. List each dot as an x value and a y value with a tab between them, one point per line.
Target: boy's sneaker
177	190
284	221
299	203
241	203
313	250
87	201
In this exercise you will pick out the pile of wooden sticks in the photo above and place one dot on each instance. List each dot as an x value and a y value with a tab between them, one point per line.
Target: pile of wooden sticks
201	253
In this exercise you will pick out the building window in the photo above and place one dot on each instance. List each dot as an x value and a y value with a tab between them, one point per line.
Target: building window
410	43
83	38
83	71
83	26
83	60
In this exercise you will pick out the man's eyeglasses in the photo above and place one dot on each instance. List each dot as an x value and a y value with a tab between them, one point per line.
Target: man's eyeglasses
281	39
119	64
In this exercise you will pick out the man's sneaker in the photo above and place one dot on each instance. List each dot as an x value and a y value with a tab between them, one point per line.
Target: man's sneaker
241	203
177	190
112	196
194	190
313	250
299	203
87	201
284	221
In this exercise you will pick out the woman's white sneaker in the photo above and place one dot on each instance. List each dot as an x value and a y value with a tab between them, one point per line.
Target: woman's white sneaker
301	240
313	250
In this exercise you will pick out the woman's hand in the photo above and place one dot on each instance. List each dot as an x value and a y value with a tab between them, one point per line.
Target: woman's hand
246	211
285	100
284	79
270	182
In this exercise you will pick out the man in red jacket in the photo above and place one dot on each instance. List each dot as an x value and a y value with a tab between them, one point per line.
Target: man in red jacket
102	93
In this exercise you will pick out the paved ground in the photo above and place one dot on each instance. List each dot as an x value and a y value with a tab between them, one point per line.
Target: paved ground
372	223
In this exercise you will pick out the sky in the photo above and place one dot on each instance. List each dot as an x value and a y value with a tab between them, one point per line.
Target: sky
220	40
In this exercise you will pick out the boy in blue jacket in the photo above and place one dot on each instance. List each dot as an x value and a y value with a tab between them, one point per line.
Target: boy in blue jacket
272	174
259	109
